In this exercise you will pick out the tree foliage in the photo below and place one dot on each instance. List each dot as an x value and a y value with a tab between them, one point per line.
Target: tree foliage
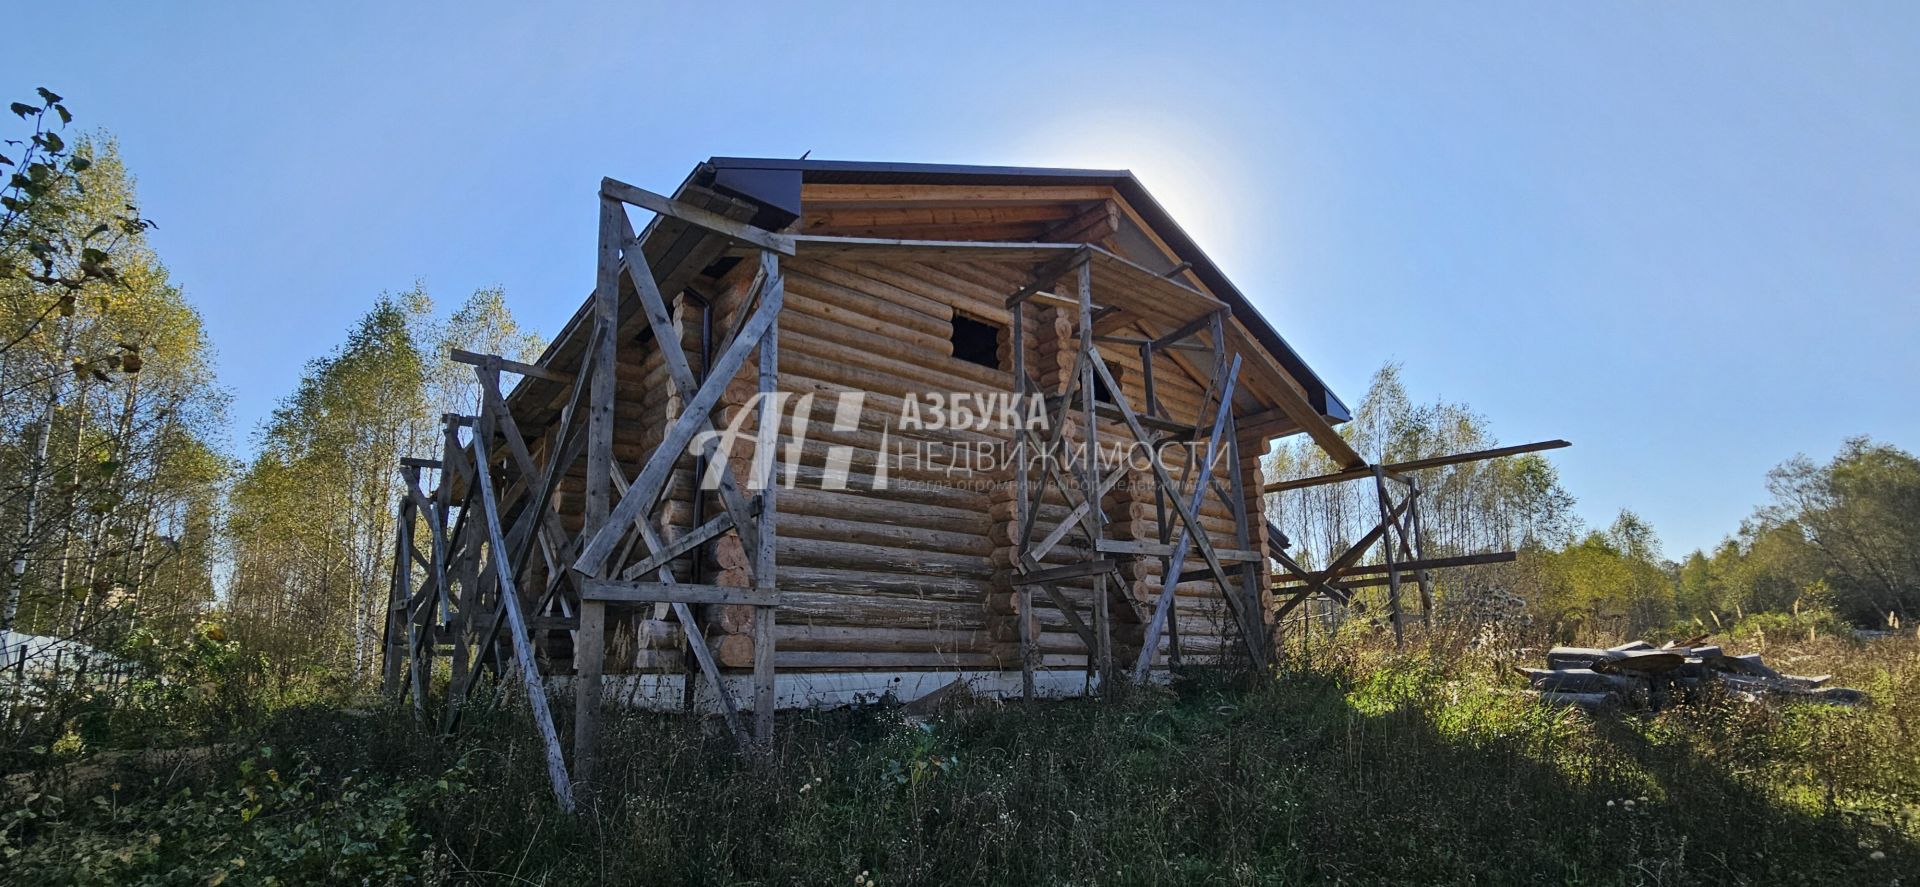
110	421
1844	534
312	523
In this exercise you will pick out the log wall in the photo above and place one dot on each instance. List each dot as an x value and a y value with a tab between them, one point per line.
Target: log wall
919	574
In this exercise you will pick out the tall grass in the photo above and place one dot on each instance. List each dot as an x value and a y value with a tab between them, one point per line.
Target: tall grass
1370	766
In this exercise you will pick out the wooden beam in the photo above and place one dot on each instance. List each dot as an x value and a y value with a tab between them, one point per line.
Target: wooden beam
765	558
693	215
512	366
522	642
1070	571
622	591
686	542
828	195
602	353
827	245
1437	563
1414	465
1045	275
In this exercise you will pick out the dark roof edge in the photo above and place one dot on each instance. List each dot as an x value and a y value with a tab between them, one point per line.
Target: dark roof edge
742	169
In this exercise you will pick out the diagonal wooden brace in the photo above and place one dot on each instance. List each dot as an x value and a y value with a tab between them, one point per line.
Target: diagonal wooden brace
651	481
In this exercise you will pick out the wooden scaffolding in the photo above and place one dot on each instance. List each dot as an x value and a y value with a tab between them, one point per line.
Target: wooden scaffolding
1067	457
493	511
494	577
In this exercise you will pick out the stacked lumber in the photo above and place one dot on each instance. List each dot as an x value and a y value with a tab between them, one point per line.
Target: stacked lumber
1641	676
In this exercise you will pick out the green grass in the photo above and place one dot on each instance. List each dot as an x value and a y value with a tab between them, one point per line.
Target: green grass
1371	768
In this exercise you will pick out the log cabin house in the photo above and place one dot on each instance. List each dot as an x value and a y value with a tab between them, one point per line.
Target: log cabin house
773	452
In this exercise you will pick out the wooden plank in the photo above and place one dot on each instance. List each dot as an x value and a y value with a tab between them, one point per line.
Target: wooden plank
1067	612
693	215
1438	563
823	245
766	446
1045	275
1320	582
1391	525
1070	571
603	353
1073	519
909	195
686	542
934	218
1102	652
763	677
522	642
512	366
636	592
1414	465
1023	595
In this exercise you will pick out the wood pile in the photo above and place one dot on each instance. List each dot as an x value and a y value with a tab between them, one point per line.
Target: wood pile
1639	675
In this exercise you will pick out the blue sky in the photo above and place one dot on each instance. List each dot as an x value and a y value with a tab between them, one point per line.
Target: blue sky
1684	236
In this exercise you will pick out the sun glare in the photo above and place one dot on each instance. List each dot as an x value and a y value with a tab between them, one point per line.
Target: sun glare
1189	171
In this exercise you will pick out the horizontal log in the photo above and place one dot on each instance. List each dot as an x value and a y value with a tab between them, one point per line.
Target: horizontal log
876	507
1580	680
1589	701
897	535
899	611
676	593
1142	548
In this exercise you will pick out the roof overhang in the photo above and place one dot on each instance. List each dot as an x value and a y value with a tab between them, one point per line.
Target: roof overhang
775	185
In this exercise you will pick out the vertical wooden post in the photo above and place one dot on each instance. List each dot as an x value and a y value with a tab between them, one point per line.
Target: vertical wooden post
1255	622
1419	551
1387	543
394	639
1023	593
462	616
764	566
589	650
1102	653
1162	530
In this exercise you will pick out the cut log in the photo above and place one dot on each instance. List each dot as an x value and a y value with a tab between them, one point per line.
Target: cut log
1579	657
1748	664
1581	680
1589	701
1644	662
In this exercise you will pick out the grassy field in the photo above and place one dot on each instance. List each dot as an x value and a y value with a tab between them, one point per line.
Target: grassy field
1367	767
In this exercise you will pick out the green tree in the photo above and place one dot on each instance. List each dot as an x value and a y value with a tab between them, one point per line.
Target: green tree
1860	515
312	515
110	422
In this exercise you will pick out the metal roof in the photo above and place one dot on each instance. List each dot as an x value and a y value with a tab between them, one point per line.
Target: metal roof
775	183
